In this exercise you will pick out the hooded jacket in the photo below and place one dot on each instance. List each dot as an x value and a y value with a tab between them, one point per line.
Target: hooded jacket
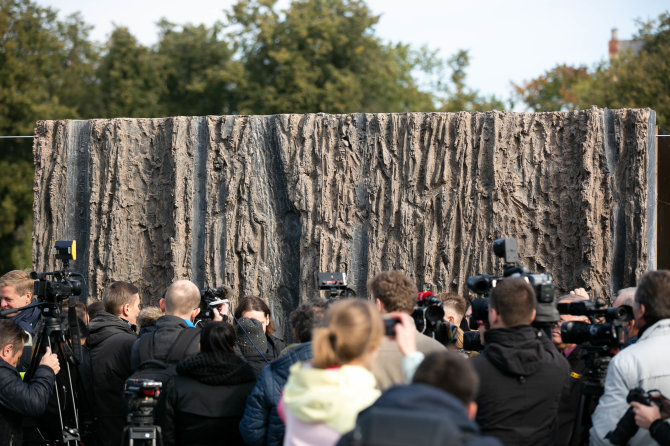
415	414
521	376
325	401
109	341
261	425
205	401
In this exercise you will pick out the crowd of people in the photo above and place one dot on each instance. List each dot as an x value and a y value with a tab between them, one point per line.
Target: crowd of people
357	372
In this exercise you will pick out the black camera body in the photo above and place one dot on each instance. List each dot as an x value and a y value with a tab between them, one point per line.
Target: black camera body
211	298
543	285
63	285
428	318
611	333
626	428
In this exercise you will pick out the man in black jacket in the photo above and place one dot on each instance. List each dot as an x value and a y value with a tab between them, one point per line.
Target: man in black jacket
20	399
181	306
521	373
111	336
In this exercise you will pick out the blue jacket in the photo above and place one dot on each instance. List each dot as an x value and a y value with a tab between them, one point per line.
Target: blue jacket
261	425
415	414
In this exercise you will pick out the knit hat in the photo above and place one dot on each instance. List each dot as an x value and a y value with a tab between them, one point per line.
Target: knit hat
254	329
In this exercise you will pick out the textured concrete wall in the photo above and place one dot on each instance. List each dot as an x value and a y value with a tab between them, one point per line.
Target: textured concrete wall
262	203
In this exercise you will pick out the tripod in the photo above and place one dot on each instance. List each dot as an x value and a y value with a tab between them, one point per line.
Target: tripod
141	429
51	335
597	359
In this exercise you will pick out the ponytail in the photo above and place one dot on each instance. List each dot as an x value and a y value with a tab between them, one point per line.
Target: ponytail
354	329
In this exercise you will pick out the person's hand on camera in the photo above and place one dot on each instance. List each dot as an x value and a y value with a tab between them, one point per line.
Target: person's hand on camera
405	332
220	311
581	292
645	415
50	360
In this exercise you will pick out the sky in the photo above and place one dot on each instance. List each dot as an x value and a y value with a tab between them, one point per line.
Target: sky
508	40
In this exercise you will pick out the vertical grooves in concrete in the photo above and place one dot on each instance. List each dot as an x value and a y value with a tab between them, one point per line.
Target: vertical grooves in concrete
652	192
200	151
263	203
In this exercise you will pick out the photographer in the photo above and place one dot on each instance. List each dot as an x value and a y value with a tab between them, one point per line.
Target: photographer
20	399
642	364
653	419
521	373
393	291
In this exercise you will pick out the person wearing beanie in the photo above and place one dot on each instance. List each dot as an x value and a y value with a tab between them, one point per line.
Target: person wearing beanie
252	343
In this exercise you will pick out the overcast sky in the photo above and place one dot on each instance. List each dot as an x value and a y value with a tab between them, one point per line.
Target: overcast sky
508	40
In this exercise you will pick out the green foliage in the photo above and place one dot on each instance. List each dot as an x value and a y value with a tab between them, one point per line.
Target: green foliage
629	80
319	56
200	76
131	82
556	89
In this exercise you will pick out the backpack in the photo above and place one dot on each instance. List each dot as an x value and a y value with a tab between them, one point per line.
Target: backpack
162	370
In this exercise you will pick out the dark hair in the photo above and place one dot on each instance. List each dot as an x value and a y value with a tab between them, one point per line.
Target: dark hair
307	316
255	303
449	372
11	333
514	300
117	294
93	308
395	290
653	291
217	337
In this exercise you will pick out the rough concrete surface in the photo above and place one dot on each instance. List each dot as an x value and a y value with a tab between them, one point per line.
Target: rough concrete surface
262	203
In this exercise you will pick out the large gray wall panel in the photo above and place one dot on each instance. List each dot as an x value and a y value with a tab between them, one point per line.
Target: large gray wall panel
261	203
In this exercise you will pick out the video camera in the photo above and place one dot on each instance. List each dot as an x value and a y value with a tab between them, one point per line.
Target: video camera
335	284
611	333
428	317
63	285
211	298
543	285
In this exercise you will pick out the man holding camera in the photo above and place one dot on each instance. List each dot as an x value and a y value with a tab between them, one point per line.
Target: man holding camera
643	364
393	291
521	373
20	399
111	336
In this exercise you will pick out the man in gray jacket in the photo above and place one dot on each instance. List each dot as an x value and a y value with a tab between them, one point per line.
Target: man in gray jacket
644	364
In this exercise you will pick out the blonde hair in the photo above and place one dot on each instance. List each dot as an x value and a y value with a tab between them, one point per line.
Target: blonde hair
20	280
353	329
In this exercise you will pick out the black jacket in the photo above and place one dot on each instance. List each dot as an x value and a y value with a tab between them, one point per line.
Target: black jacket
415	414
261	424
521	376
20	399
205	401
167	329
109	341
660	431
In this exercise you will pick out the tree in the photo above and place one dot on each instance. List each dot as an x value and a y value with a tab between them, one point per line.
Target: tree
460	97
44	66
556	89
131	81
200	76
319	56
632	80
